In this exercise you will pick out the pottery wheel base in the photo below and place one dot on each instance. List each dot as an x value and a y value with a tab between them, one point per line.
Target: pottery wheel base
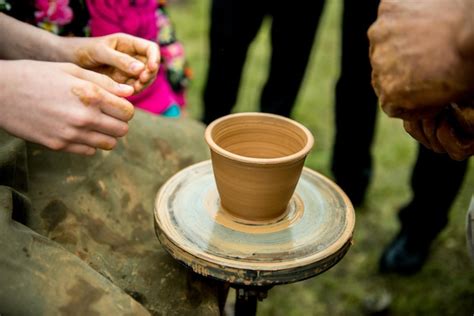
313	235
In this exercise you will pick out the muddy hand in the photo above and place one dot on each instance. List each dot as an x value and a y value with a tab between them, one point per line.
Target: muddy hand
420	55
122	57
452	132
64	107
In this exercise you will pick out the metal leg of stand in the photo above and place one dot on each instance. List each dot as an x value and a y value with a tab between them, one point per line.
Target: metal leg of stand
247	298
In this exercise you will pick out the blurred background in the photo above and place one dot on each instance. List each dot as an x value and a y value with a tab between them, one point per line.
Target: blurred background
445	285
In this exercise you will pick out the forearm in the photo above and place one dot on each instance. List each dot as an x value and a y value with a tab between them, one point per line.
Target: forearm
22	41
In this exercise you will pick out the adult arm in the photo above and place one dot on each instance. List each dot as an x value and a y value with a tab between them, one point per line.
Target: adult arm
422	55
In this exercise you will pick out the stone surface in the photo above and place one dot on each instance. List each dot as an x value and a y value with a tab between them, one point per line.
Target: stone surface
100	209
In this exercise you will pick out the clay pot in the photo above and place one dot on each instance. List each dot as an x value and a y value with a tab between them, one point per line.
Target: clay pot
257	160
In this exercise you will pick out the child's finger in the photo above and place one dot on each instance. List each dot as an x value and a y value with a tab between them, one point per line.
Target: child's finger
122	61
80	149
109	125
148	49
146	76
104	81
91	94
97	140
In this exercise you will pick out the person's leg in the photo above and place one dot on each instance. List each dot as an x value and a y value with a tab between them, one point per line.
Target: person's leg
435	182
234	25
293	30
356	102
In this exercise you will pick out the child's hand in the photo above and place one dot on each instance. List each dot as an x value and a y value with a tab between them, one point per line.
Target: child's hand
63	106
122	57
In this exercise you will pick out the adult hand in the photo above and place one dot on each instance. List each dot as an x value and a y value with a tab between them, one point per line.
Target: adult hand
124	58
422	55
63	106
451	131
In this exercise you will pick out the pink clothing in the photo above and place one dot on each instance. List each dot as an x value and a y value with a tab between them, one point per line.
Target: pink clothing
58	12
139	19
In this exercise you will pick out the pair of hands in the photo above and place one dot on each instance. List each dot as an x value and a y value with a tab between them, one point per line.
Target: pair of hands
422	55
78	106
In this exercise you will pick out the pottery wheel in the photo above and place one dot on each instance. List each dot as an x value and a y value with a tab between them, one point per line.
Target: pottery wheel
314	233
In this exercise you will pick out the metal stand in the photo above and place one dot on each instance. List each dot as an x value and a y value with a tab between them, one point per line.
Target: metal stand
247	297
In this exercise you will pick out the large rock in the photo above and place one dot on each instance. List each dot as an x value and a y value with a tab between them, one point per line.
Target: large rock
100	208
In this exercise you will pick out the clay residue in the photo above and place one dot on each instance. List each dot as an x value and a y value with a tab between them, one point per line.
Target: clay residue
83	295
99	189
53	214
65	237
138	214
185	162
164	148
99	231
125	200
290	217
27	253
141	58
74	179
93	97
127	110
105	146
83	57
86	97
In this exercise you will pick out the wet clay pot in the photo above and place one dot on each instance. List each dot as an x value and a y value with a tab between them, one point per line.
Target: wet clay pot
257	160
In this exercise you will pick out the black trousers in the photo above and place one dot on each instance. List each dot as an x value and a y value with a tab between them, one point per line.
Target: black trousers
435	182
436	178
356	102
234	25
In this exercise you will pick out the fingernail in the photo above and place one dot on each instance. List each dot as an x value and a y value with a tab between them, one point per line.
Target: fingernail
136	66
125	87
152	66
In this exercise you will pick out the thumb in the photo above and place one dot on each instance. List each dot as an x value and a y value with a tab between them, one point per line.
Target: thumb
121	90
124	62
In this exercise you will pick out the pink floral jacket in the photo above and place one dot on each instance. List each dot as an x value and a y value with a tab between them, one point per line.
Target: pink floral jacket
144	18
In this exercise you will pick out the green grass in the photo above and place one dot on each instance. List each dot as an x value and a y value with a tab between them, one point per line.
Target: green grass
445	286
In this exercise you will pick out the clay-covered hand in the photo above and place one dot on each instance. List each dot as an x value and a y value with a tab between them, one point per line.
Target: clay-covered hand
124	58
422	55
451	131
63	106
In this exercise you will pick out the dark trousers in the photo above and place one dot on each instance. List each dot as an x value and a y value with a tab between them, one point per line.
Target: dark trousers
356	102
234	25
435	182
436	178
